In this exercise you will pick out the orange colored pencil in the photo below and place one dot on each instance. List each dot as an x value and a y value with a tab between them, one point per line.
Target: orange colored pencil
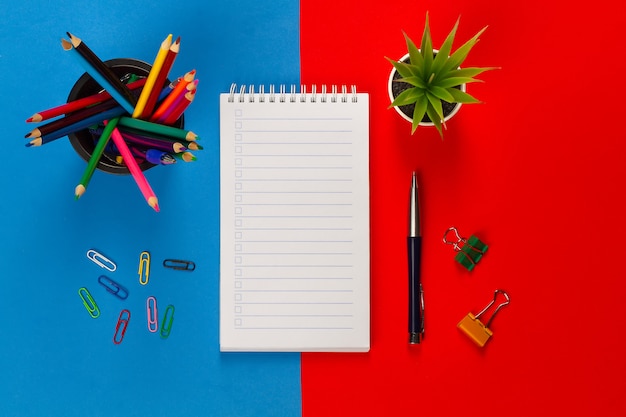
176	92
177	100
160	80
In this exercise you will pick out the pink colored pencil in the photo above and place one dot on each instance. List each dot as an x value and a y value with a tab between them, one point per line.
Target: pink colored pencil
79	104
180	108
134	169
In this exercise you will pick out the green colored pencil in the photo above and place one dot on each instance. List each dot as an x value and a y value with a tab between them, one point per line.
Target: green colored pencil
95	157
157	128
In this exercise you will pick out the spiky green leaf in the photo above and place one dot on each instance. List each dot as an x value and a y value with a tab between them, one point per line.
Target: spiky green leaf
441	93
418	114
403	69
444	51
414	54
409	96
457	58
416	81
467	72
461	97
435	103
436	120
456	81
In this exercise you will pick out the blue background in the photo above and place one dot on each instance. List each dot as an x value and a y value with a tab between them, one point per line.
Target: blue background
56	360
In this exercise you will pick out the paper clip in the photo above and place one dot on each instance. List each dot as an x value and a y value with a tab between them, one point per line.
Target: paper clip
179	264
144	267
113	287
101	260
89	302
478	332
470	251
120	327
168	320
152	313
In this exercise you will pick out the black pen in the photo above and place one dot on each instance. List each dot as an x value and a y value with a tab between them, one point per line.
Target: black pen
414	244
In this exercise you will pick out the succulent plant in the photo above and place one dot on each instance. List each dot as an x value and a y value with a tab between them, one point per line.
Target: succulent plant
433	77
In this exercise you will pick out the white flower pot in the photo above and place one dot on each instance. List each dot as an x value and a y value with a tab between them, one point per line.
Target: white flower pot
457	106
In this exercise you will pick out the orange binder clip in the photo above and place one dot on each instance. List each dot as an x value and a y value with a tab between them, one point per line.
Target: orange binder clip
473	328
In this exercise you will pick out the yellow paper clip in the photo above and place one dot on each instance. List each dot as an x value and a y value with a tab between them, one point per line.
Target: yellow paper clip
473	328
89	302
144	267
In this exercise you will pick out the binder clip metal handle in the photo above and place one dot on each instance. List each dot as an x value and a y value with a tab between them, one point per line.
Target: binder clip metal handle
473	328
470	251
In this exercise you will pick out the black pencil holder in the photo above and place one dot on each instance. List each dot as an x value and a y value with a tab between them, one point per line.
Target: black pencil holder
84	141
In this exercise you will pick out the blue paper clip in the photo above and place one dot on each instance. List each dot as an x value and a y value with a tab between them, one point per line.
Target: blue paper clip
152	314
89	302
101	260
179	264
113	287
168	321
144	267
120	327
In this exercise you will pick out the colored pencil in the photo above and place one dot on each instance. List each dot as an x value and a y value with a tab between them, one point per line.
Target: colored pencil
94	119
79	104
150	127
161	78
179	90
154	156
152	76
79	125
180	108
156	138
102	74
185	156
150	142
134	169
191	87
72	118
95	157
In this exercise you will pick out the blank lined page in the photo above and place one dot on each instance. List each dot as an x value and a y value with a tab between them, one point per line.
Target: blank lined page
294	215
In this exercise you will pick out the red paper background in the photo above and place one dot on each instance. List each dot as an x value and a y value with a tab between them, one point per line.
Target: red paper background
537	172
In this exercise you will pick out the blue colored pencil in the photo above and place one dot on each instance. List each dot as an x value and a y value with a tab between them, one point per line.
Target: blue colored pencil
126	100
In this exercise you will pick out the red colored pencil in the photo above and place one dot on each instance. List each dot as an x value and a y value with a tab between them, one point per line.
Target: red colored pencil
79	104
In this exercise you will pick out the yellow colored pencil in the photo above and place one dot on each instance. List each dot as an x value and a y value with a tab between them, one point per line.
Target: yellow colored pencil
152	76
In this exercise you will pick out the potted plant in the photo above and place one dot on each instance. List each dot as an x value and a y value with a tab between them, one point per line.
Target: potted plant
427	86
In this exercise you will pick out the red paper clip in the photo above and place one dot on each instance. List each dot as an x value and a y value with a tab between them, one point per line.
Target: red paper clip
120	328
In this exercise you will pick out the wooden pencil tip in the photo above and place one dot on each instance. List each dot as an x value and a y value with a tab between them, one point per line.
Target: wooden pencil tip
154	203
79	191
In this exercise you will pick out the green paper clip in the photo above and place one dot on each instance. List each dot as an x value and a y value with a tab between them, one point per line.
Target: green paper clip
470	251
168	321
89	302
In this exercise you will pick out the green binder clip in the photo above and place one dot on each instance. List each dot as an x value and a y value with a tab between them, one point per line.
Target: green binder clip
470	251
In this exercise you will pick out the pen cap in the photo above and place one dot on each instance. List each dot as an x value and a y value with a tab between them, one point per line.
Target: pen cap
84	141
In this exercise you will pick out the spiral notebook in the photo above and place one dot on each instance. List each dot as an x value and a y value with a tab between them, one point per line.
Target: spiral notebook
294	215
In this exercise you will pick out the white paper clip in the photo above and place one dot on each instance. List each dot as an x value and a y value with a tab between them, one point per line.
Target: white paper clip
101	260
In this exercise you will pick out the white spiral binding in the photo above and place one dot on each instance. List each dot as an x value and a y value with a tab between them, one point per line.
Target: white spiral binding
335	96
